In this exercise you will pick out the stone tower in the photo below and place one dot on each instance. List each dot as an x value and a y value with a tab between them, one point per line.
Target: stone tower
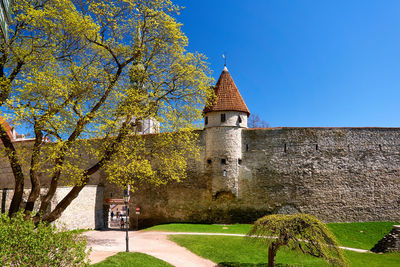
224	120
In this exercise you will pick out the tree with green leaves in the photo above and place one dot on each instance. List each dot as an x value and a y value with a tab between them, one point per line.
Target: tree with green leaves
84	75
301	232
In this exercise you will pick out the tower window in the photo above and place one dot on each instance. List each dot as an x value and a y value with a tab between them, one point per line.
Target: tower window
239	119
247	147
206	120
239	161
209	161
223	161
224	173
223	117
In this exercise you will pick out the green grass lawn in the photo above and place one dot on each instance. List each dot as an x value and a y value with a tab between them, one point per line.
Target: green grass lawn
240	250
362	235
202	228
128	259
231	249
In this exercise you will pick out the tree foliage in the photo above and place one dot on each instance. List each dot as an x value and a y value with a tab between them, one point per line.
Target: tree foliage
301	232
24	244
84	75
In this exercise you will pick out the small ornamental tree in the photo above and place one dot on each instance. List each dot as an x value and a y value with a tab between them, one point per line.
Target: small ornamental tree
24	244
300	232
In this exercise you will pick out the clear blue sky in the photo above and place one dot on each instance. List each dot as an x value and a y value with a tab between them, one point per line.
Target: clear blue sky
302	62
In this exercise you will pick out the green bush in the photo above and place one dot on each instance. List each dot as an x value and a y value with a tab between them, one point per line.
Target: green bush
24	244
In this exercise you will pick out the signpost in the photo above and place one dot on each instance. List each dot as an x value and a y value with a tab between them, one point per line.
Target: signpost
115	201
137	217
126	200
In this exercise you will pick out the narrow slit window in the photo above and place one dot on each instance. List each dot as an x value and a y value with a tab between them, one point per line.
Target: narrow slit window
239	119
223	161
223	117
247	147
206	120
316	147
239	161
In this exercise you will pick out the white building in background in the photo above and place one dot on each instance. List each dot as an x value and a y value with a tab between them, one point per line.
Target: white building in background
144	126
11	132
148	126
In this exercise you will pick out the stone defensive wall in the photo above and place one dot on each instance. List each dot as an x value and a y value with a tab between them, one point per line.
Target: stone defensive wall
85	212
336	174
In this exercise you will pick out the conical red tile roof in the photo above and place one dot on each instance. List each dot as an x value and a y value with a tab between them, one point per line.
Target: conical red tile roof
227	95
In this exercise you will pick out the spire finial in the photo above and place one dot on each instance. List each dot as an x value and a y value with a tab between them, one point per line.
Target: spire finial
224	57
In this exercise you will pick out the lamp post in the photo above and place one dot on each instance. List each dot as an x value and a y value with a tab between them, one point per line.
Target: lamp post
126	200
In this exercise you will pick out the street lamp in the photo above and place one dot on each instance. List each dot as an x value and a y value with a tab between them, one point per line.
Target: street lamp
126	200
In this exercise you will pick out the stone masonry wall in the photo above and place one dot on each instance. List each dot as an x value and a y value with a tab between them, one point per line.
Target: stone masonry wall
336	174
85	212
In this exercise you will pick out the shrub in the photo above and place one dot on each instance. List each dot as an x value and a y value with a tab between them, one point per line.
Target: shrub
22	243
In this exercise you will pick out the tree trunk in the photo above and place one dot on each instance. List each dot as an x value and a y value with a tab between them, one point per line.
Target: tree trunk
53	186
273	248
35	191
16	169
64	203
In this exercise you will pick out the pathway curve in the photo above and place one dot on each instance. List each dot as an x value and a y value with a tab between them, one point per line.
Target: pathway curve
154	243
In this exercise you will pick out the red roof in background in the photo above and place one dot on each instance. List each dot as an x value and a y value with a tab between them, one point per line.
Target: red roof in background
227	95
6	126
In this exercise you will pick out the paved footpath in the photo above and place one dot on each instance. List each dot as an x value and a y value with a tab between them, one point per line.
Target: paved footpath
156	244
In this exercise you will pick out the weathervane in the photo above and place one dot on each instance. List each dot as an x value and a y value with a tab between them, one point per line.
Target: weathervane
224	57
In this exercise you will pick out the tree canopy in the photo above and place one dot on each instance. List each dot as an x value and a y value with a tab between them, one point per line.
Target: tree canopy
301	232
84	75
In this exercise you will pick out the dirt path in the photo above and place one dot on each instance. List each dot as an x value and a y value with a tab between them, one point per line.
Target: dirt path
156	244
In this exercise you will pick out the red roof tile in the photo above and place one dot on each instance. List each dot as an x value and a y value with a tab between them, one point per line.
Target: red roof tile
227	95
6	126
